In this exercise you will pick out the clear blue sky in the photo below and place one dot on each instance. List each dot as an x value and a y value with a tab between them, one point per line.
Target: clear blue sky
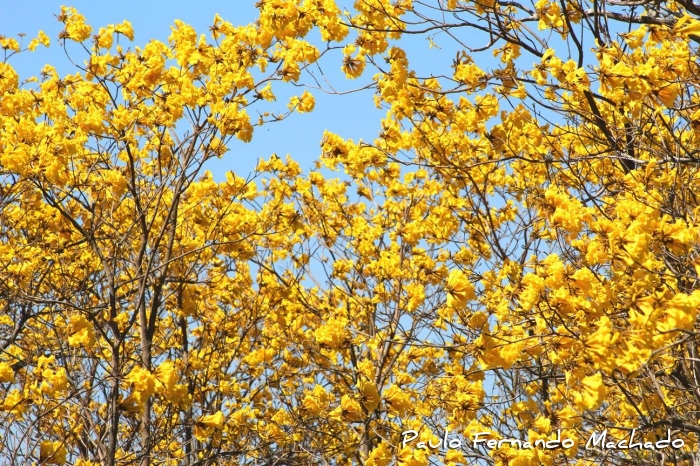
352	116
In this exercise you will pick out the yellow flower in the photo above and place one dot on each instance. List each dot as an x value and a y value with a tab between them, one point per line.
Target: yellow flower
380	456
471	75
76	29
454	457
42	39
667	95
350	409
333	334
207	425
634	38
81	332
14	403
549	14
352	66
567	416
52	452
599	346
542	424
6	373
215	420
413	457
368	395
398	401
459	290
302	104
9	43
143	384
167	374
591	392
125	29
687	25
82	462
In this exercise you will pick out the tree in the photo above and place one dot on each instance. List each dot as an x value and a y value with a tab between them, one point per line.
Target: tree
516	252
128	312
577	208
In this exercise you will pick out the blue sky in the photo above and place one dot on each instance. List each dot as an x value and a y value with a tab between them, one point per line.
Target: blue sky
352	116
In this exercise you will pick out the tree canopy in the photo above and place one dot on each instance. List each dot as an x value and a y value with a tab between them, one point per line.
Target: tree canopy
515	253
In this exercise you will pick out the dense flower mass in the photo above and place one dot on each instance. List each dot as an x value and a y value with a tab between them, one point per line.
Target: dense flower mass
514	256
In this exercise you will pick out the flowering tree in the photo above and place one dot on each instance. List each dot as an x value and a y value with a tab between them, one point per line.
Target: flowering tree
514	256
128	314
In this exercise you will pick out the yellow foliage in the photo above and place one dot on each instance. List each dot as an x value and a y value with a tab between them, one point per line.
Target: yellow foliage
459	290
6	373
515	251
52	452
208	425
